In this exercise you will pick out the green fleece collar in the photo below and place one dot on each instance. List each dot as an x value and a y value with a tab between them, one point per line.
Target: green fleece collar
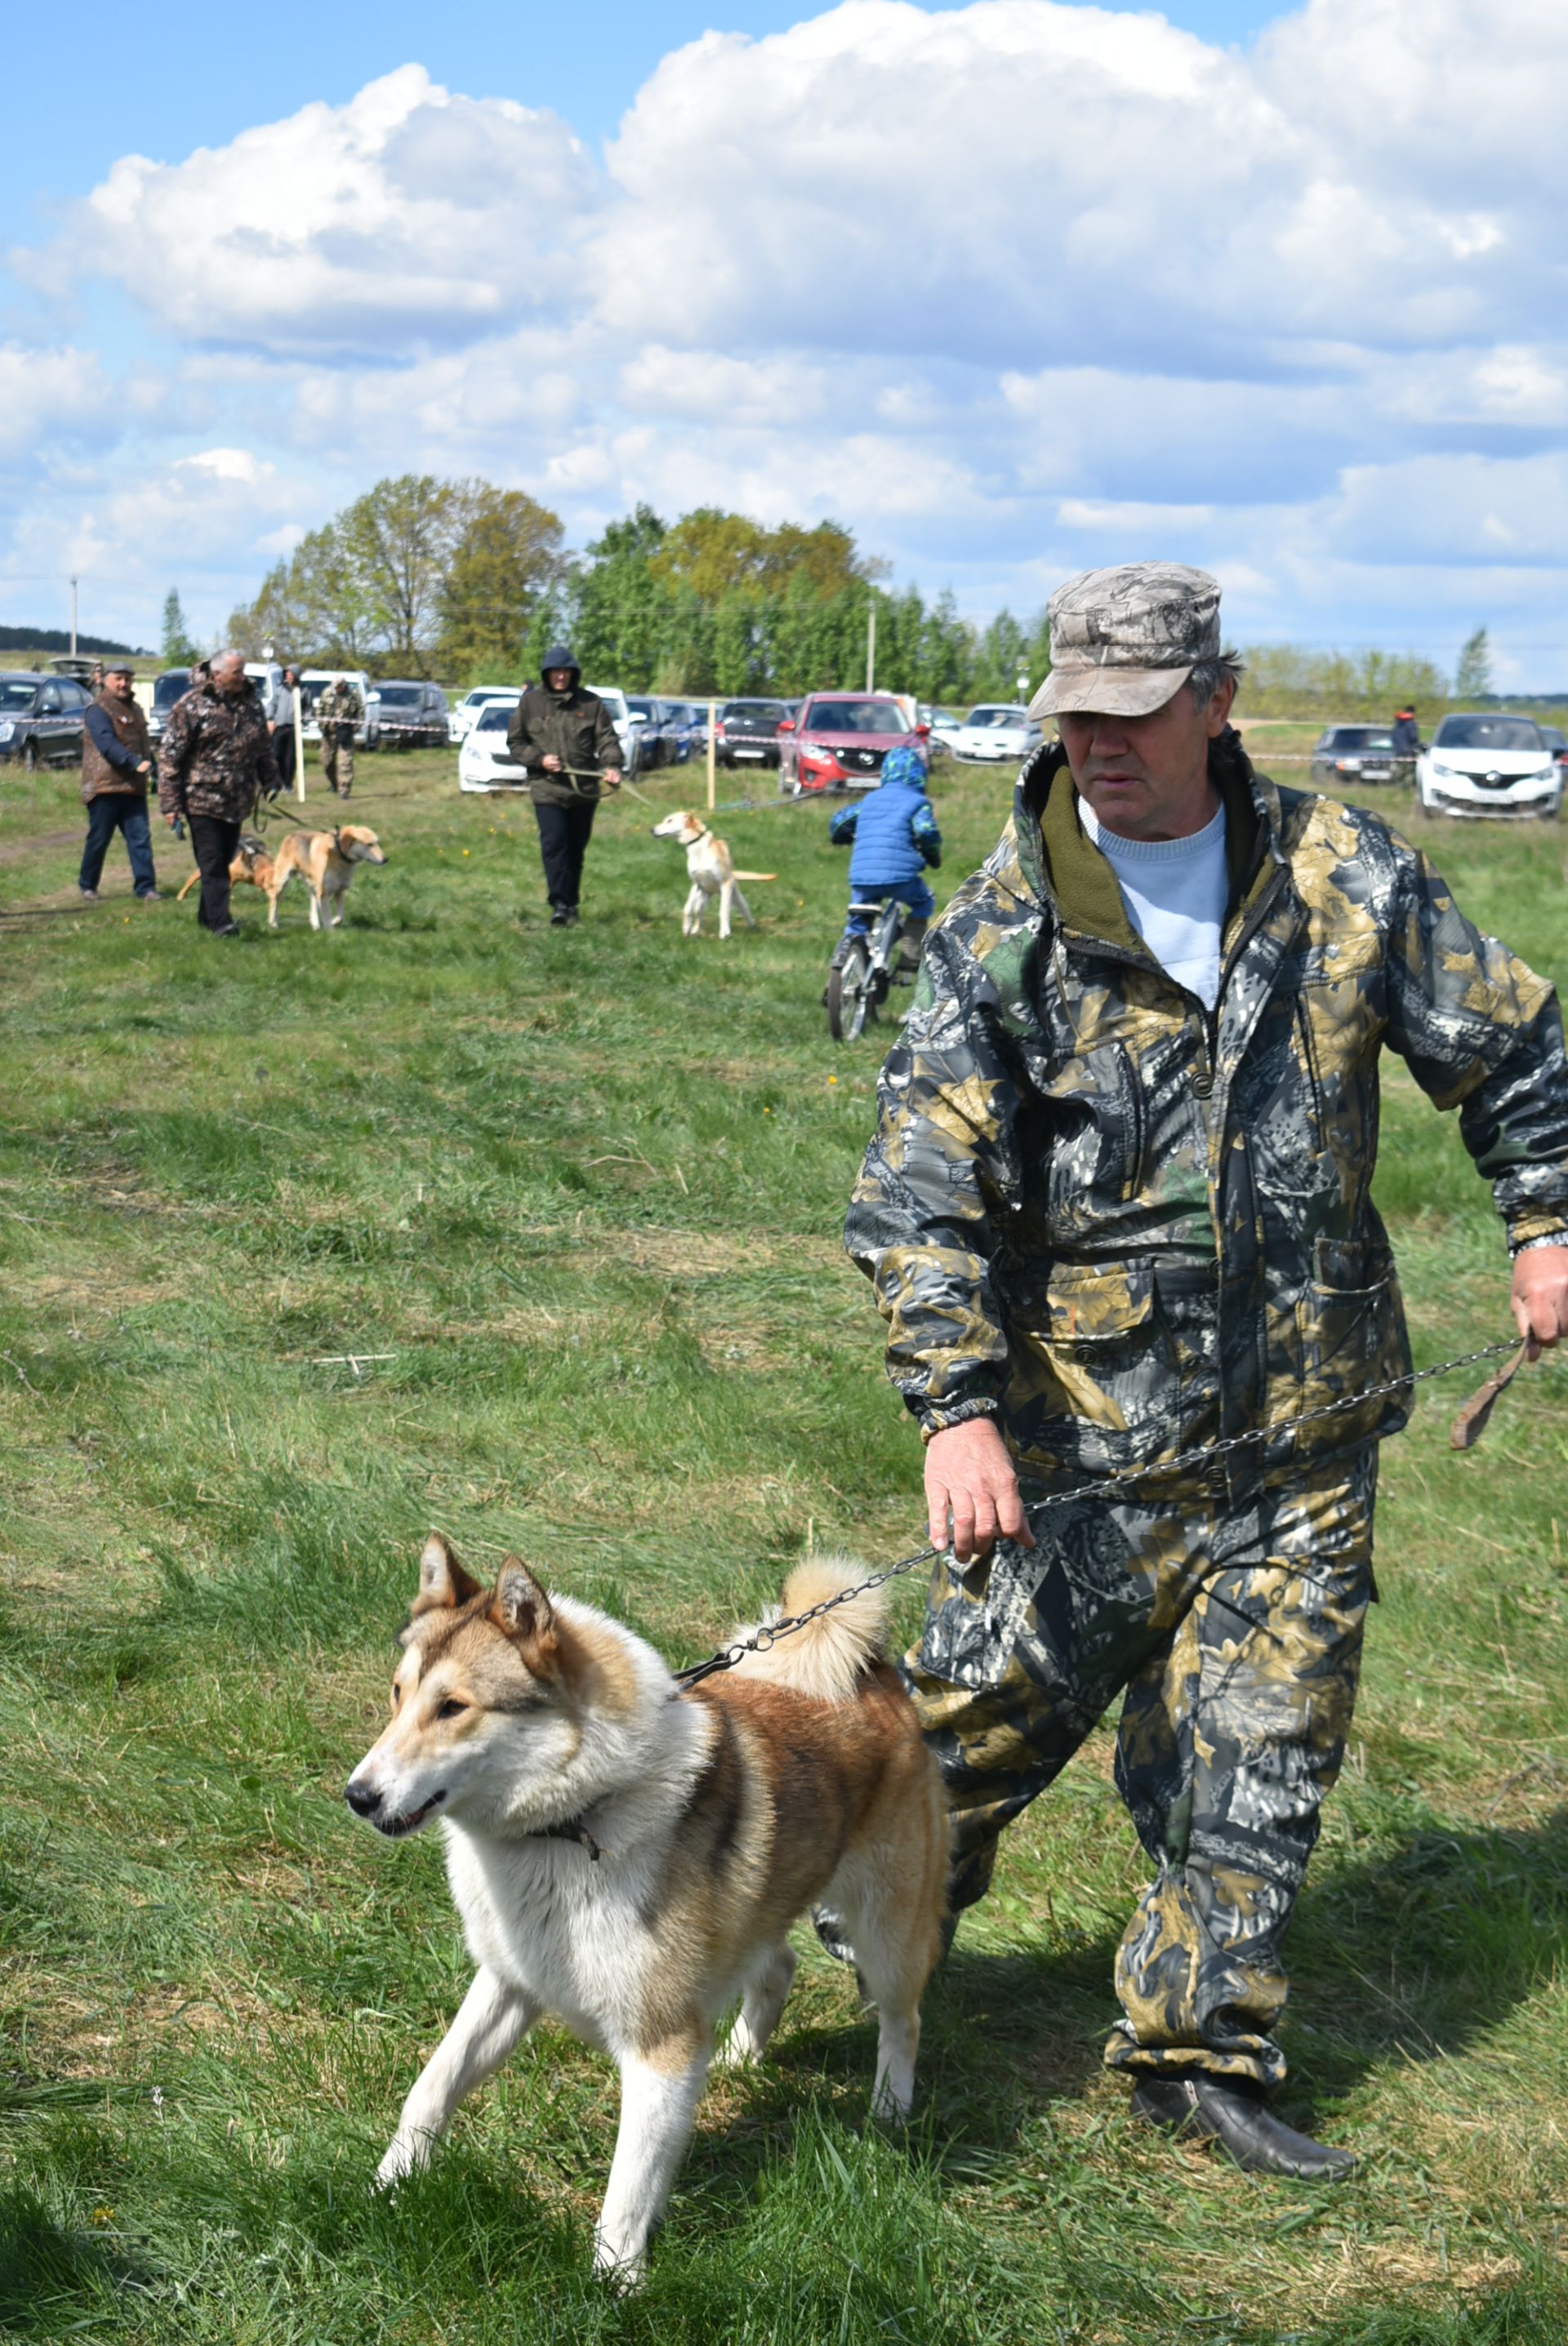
1073	873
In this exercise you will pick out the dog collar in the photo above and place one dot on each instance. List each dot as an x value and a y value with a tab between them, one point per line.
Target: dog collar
573	1830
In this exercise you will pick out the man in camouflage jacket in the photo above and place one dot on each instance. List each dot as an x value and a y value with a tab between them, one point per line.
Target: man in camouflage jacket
213	763
339	709
1108	1222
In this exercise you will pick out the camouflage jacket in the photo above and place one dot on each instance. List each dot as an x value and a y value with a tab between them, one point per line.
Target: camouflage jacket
1125	1226
339	709
216	754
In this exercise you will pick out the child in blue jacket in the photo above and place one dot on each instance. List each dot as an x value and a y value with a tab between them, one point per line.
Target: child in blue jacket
894	831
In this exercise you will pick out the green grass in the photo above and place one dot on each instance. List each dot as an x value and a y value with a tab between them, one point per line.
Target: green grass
584	1188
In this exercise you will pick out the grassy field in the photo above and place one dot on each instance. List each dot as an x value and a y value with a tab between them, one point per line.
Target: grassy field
583	1189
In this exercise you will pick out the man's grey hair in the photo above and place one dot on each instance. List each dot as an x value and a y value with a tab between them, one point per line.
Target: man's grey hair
1211	674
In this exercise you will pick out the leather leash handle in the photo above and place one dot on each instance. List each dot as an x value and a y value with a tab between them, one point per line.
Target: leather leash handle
1471	1423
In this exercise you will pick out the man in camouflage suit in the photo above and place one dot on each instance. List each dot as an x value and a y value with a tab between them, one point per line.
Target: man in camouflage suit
1112	1213
339	711
214	761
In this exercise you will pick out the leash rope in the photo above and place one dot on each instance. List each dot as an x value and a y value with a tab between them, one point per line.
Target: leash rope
1107	1486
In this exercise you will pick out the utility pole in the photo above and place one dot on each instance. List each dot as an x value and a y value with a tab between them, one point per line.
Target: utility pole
73	619
871	648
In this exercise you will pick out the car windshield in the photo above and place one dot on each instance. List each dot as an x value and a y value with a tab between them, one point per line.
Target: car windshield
400	696
171	688
998	716
1553	737
16	691
854	716
495	719
757	712
1487	733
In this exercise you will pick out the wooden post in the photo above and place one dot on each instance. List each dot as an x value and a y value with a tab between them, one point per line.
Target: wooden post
871	648
712	754
299	739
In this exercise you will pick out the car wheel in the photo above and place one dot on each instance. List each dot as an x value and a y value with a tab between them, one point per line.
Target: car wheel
30	758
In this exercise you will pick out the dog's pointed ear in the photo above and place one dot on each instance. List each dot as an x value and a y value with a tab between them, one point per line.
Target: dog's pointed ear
523	1610
443	1585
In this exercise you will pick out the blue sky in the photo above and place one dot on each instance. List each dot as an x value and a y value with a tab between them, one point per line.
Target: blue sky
1010	288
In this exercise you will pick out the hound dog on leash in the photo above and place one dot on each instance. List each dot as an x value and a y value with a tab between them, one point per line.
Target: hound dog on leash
251	866
711	870
325	861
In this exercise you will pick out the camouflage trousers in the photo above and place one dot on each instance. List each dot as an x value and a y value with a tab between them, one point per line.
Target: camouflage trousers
337	759
1235	1632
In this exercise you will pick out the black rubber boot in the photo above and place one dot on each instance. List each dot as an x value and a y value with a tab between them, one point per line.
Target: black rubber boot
1233	2112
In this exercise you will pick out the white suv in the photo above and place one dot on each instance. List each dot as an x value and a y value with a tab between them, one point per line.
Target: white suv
1489	763
627	726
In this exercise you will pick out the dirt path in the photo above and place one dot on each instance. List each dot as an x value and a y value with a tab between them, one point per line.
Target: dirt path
21	847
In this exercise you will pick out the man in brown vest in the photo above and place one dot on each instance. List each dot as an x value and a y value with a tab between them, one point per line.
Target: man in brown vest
116	758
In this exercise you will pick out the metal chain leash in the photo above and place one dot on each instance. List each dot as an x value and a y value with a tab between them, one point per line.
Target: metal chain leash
1107	1486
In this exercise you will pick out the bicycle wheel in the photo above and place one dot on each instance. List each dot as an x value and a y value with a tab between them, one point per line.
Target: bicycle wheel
849	1002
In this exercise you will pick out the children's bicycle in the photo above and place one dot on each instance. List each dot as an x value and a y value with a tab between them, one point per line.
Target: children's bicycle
862	969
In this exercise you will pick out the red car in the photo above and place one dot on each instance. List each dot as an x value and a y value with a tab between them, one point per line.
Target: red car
839	740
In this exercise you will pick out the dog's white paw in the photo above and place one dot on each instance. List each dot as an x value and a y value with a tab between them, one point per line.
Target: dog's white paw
625	2272
402	2158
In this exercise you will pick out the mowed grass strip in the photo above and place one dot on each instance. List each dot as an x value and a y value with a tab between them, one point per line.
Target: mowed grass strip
583	1189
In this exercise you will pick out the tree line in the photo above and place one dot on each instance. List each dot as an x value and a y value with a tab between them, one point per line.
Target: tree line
464	581
470	582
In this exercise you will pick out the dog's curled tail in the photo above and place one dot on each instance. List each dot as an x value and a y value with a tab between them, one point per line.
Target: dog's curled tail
828	1657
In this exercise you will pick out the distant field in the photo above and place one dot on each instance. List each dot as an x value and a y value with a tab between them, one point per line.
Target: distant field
585	1190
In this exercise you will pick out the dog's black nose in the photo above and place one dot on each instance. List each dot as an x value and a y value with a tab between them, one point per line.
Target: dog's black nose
363	1802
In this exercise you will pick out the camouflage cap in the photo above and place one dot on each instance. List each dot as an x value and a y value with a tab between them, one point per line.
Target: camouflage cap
1123	640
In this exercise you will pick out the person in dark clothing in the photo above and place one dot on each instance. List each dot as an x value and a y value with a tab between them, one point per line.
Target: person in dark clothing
215	761
563	739
116	758
1407	743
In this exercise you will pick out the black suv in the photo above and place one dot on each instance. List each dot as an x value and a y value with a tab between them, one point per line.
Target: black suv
1353	753
748	731
42	720
412	715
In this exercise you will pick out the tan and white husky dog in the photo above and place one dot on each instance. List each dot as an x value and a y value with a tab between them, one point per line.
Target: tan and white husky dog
628	1858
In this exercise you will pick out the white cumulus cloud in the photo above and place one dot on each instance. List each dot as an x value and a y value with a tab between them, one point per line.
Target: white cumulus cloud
408	217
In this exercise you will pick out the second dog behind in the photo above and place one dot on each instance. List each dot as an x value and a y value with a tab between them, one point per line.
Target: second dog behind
252	867
711	870
325	861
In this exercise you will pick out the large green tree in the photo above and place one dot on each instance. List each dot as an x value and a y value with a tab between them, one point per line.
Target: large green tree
505	559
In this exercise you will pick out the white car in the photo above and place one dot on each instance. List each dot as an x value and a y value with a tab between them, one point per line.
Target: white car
996	733
1487	763
626	725
467	711
484	762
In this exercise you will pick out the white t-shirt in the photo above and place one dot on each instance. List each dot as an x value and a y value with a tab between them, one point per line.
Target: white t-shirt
1176	891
